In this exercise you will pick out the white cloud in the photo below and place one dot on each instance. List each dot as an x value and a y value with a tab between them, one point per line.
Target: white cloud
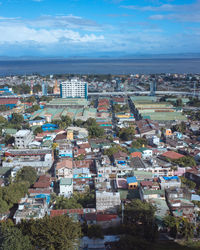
21	33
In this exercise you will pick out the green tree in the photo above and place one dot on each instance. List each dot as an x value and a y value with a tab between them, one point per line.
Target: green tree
139	219
38	130
12	238
179	226
95	232
126	134
93	128
67	120
139	142
27	174
9	139
178	102
59	232
78	123
186	161
33	108
17	118
37	88
66	203
31	99
190	184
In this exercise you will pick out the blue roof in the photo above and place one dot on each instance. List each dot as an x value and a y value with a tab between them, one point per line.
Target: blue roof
131	179
48	125
170	178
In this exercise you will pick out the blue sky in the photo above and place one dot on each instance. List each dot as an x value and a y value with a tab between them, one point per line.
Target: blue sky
98	27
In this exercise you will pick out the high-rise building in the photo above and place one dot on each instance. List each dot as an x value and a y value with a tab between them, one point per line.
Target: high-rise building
44	88
56	89
153	89
74	89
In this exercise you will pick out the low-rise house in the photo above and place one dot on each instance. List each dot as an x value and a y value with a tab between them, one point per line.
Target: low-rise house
193	174
30	208
82	169
65	150
132	182
78	132
154	141
40	159
146	153
82	184
169	182
107	220
44	182
120	158
150	190
172	155
147	127
179	203
64	168
66	187
86	147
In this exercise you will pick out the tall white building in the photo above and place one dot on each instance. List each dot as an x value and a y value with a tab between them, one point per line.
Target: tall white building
74	89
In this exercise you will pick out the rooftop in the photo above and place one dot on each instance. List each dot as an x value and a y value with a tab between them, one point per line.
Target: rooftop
22	133
65	181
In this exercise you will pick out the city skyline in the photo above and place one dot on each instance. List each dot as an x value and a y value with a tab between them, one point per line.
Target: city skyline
98	28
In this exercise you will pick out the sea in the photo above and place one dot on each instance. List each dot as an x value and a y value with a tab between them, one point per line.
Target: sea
99	66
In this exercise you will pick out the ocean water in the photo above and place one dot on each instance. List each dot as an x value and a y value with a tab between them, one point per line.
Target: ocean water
99	66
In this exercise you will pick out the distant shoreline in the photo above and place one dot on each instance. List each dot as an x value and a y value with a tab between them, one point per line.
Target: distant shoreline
99	66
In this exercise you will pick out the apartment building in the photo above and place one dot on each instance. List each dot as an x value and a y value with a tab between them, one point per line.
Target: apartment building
74	89
23	138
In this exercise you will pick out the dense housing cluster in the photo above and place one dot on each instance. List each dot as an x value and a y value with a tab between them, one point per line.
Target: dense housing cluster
104	160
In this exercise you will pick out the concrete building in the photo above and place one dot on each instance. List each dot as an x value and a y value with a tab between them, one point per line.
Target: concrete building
66	187
74	89
30	208
44	88
23	138
40	159
169	182
107	201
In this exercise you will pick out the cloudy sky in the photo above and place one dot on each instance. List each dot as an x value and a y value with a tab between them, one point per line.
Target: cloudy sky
95	27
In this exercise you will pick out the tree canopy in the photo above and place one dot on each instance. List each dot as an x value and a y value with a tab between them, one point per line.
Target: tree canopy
12	238
139	142
179	226
11	194
17	118
27	174
126	134
59	232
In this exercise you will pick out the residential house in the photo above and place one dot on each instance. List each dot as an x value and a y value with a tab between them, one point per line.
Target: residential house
64	168
169	182
30	208
179	203
66	187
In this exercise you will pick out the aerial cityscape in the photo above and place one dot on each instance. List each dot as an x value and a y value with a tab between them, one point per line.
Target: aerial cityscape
100	125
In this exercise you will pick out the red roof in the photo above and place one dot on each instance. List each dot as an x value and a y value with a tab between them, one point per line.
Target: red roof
4	101
39	191
65	211
41	184
172	155
106	217
146	183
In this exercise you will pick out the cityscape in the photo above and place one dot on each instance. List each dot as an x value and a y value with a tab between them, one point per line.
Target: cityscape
104	151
